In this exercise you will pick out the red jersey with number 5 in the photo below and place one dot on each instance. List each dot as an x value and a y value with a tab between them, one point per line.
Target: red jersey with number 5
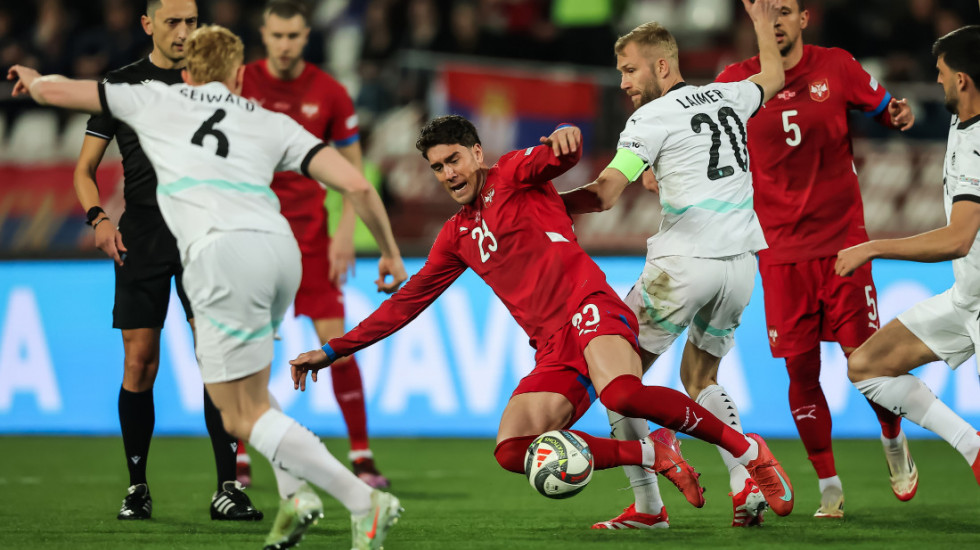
322	106
517	236
806	187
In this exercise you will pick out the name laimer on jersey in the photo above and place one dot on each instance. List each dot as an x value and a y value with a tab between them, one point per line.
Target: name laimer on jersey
701	98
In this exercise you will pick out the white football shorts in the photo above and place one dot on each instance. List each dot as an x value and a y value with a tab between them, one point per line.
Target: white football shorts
706	295
239	284
949	330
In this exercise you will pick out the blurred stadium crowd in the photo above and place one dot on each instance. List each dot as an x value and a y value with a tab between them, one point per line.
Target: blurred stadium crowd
399	59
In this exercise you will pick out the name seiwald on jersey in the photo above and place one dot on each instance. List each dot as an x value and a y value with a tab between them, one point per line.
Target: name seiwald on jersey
214	154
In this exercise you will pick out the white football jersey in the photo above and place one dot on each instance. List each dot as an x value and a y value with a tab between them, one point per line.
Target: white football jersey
694	138
961	181
214	153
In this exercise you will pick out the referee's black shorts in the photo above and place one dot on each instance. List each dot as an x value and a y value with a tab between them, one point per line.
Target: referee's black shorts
143	281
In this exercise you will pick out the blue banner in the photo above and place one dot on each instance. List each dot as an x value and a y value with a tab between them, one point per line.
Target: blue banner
449	373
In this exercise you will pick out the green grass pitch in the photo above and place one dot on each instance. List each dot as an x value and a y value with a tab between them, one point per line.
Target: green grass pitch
64	492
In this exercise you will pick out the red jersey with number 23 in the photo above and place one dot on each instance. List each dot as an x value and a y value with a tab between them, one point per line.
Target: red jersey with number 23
806	187
322	106
517	236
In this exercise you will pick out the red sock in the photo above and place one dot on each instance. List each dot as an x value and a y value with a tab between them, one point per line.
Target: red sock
510	453
891	423
606	453
349	391
628	396
610	453
810	411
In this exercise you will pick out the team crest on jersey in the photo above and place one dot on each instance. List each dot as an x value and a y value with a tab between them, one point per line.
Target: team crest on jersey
488	198
786	95
310	109
819	90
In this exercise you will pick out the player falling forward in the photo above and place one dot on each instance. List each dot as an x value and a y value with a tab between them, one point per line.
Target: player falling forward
945	326
285	83
700	268
583	334
809	203
214	153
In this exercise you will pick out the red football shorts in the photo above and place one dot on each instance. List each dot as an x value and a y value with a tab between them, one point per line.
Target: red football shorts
317	297
560	365
807	302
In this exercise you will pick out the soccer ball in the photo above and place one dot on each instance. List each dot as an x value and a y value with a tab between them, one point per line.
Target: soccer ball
558	464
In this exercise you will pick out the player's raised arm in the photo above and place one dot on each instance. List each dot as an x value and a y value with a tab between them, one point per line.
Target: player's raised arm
329	167
771	76
56	90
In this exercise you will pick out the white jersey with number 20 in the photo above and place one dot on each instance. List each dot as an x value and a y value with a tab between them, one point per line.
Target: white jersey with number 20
694	138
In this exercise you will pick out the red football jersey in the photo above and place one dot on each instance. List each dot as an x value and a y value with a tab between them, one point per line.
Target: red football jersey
806	188
322	106
518	238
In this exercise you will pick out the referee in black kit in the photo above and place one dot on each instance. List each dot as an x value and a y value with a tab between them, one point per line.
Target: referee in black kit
146	257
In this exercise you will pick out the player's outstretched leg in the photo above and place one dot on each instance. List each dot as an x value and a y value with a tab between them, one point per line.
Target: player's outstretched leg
647	511
287	444
628	396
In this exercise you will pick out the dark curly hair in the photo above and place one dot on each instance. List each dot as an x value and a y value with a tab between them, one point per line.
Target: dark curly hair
446	130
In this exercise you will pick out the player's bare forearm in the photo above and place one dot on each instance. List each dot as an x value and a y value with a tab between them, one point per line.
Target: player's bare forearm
939	245
771	76
597	196
56	90
86	187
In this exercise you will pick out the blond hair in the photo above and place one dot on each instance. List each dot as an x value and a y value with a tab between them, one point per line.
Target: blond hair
647	36
213	54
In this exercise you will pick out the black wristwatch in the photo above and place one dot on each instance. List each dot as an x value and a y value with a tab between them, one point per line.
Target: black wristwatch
93	213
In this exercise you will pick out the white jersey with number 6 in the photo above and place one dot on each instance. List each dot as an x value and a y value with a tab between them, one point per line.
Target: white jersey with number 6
214	153
694	138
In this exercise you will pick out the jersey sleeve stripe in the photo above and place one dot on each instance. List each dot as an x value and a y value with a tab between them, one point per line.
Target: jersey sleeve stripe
762	97
102	100
98	135
970	198
881	106
305	166
347	141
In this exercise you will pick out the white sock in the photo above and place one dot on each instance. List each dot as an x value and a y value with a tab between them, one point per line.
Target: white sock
644	483
723	407
830	482
296	450
907	396
893	443
286	483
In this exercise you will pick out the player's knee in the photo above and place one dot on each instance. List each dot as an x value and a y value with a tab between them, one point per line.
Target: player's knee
859	365
510	453
139	373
